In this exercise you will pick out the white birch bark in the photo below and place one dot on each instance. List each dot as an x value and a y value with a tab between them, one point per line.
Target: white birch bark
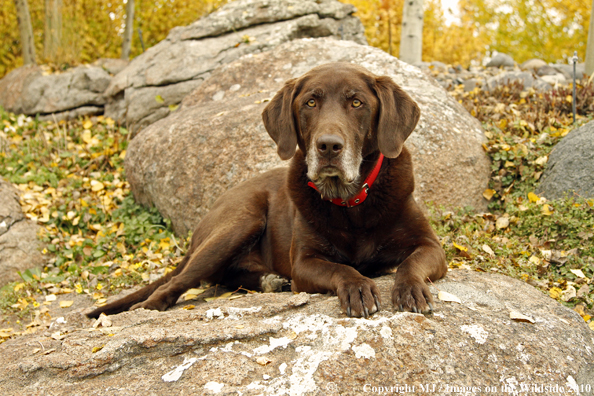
411	39
26	31
128	31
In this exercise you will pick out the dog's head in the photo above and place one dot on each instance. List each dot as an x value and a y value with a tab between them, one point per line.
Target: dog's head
338	114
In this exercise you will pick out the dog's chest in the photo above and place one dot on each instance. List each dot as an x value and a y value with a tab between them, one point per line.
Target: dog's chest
353	248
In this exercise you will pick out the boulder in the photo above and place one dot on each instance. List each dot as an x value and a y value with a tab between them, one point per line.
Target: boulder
31	90
567	70
570	168
112	65
554	79
19	247
156	81
183	163
533	64
527	79
546	70
285	344
501	60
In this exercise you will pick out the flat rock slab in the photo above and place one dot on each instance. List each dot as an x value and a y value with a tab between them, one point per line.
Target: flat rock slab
19	247
570	168
285	344
78	91
143	92
184	162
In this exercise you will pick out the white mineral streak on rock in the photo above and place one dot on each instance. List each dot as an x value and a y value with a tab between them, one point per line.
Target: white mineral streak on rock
274	343
476	332
176	373
364	351
214	313
214	386
237	313
386	332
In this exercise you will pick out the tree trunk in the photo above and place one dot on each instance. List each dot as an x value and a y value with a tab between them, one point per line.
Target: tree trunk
26	30
128	31
411	39
53	29
590	45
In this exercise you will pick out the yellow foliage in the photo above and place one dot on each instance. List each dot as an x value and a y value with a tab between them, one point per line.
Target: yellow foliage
92	29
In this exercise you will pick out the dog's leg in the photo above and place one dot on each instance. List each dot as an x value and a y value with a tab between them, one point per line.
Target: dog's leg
125	303
219	249
358	295
410	292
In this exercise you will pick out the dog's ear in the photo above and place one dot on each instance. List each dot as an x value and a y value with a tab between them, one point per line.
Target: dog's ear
398	116
279	122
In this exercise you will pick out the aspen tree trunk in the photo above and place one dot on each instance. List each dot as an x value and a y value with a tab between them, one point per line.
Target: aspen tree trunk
128	31
53	29
26	30
590	45
411	39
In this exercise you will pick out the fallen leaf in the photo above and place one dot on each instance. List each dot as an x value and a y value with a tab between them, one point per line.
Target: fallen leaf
488	250
532	197
445	296
97	349
189	307
87	124
193	293
460	247
502	222
541	160
97	185
578	273
547	210
515	315
66	304
568	293
488	194
555	292
159	99
50	298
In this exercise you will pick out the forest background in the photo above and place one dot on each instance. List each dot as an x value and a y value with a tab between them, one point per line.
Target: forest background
547	29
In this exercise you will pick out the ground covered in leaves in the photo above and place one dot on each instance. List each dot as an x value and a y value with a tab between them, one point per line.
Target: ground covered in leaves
99	241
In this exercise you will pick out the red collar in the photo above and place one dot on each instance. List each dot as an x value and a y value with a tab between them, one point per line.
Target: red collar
359	198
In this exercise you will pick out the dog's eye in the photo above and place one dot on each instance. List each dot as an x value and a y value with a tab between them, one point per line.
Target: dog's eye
357	103
311	103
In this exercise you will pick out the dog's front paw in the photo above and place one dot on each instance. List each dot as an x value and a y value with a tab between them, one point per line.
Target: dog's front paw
359	297
148	304
412	295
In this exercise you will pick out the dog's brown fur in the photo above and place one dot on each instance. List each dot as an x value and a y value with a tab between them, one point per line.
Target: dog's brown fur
276	224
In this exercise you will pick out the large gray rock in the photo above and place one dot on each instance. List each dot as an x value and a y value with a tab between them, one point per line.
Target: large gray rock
161	77
533	64
77	91
19	247
501	60
571	165
284	344
527	79
567	70
183	163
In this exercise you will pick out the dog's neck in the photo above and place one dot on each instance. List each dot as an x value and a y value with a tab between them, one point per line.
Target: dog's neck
361	196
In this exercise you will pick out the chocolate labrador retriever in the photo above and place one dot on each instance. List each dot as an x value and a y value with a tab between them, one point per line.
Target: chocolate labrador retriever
341	212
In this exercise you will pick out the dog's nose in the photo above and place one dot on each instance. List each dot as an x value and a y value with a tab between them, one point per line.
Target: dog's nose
330	146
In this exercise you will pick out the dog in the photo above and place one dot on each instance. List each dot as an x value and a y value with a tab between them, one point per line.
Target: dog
341	212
